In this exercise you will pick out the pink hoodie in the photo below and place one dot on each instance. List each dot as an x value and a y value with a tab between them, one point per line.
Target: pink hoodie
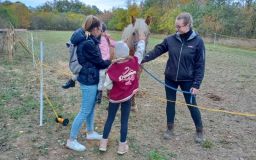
105	43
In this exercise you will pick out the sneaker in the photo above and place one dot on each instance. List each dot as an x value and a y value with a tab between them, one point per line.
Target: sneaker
68	84
93	136
103	145
199	136
122	148
99	97
74	145
168	134
134	108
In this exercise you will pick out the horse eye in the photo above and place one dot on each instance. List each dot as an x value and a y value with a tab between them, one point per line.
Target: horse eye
133	33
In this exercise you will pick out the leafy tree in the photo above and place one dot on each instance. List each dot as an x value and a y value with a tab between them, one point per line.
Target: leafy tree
167	21
155	13
119	20
56	21
249	21
197	9
106	16
47	7
228	17
63	6
133	10
69	6
15	13
22	13
7	16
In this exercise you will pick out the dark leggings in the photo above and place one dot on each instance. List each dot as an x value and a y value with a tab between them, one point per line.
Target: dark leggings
171	95
125	112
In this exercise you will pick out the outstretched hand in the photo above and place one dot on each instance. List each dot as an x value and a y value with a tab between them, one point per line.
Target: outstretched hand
194	91
142	36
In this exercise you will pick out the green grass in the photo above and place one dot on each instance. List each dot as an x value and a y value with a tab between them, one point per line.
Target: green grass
134	146
26	106
161	154
155	155
43	149
116	35
207	144
230	50
54	42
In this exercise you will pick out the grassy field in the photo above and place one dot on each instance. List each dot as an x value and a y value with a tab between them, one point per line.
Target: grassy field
229	84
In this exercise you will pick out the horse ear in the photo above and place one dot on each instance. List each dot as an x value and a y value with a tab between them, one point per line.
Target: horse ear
133	20
148	20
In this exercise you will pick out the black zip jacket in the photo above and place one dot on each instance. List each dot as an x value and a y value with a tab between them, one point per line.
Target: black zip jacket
89	56
186	60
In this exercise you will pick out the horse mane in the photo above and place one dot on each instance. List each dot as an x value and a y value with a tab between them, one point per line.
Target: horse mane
127	32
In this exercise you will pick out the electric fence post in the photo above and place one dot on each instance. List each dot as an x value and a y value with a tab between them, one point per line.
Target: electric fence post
214	41
32	49
41	83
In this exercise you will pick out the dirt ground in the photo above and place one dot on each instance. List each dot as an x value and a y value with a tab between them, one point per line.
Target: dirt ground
229	85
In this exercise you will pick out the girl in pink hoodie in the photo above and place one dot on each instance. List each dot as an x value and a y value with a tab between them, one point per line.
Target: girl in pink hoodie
106	47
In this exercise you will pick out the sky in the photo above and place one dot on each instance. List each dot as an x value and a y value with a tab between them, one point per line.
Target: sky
101	4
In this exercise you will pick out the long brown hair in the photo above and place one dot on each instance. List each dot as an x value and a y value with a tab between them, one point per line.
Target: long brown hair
91	22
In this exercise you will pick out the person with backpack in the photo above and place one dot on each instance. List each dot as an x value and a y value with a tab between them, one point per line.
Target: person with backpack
89	57
74	65
106	45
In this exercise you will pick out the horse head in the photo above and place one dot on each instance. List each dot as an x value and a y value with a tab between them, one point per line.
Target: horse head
131	33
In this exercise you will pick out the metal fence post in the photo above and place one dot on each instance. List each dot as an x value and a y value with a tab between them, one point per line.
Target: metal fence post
41	83
32	49
214	41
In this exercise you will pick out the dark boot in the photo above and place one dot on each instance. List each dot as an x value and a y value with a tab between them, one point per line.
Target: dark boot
99	97
199	137
68	84
168	134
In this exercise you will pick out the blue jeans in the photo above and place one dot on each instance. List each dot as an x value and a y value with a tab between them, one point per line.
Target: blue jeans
86	111
125	112
171	95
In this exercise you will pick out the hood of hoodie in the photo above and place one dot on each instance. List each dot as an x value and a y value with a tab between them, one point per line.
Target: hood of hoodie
78	36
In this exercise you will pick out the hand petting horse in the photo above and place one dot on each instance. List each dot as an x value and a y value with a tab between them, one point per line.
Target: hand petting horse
131	35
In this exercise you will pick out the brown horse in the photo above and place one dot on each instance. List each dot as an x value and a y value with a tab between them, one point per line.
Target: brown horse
131	36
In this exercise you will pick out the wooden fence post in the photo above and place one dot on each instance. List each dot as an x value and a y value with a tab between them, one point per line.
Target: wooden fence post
10	37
